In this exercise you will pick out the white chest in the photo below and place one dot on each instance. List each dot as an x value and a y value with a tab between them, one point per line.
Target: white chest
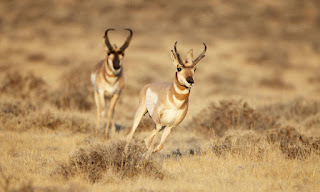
110	89
171	117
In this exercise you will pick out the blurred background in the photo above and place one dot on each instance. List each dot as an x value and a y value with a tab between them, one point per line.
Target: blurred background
260	51
254	111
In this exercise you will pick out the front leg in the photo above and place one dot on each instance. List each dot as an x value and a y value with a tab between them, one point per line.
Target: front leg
113	102
150	150
165	134
100	102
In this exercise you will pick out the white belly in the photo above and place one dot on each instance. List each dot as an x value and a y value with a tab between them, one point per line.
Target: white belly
151	101
170	116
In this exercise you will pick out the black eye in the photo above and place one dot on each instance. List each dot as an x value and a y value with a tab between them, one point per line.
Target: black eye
195	69
179	69
109	53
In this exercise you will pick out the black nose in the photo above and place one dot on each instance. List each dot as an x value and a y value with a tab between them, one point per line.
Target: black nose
190	80
116	66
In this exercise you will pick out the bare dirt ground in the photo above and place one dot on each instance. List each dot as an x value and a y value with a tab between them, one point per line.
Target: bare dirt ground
254	115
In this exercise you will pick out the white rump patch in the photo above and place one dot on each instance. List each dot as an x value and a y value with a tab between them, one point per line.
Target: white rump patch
151	101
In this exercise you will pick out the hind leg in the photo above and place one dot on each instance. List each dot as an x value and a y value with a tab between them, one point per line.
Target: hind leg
142	109
137	118
154	137
111	112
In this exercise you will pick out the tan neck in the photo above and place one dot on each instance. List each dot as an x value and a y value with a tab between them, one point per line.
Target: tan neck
179	94
108	73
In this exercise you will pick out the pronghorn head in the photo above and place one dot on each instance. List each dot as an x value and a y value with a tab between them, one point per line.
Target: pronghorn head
115	54
186	68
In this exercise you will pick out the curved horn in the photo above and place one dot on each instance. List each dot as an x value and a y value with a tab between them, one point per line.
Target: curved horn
200	56
177	53
106	39
126	44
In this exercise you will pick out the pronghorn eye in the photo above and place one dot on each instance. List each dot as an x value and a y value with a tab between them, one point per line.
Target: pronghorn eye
195	69
179	69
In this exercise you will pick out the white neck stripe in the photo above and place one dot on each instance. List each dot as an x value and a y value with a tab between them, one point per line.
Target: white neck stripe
186	91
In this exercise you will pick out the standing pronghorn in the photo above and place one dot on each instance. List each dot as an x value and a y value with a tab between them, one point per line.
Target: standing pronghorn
167	103
108	80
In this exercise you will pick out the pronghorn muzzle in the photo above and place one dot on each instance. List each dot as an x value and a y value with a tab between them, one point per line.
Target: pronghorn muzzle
190	80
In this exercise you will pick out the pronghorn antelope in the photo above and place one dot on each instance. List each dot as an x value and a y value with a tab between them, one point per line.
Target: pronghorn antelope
108	80
167	103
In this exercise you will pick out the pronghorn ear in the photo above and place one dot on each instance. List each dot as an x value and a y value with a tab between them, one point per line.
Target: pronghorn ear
190	56
173	58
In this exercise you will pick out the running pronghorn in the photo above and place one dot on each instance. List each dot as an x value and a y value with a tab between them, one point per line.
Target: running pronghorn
166	103
108	80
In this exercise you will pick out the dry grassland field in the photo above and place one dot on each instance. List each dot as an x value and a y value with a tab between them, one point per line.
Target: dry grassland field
253	122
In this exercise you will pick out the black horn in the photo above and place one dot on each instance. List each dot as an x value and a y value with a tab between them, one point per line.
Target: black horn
200	56
177	53
126	44
106	40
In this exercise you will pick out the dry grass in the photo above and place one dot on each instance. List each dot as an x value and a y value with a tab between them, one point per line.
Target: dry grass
297	110
95	161
265	53
231	114
23	86
75	90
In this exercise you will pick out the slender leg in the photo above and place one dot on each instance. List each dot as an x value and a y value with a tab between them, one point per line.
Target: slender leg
165	135
150	150
142	109
102	107
111	111
148	139
96	99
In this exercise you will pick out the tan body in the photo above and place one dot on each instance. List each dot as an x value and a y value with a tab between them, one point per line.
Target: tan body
166	103
106	84
108	80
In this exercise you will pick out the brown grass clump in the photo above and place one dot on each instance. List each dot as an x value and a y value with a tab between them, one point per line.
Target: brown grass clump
75	90
24	115
217	119
241	129
23	86
66	121
13	112
297	111
288	140
95	161
293	144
